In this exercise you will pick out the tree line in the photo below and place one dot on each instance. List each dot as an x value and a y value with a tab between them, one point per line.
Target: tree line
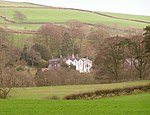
115	58
124	57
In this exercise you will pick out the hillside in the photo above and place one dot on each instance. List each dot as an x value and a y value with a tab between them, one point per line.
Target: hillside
42	14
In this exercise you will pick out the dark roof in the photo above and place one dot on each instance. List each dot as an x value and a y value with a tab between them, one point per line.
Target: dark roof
74	59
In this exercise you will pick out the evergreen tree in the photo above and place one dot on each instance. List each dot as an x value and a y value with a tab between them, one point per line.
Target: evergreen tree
18	16
67	46
147	38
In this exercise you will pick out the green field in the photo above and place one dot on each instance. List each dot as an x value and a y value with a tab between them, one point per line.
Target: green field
21	27
59	15
61	91
128	16
19	40
62	15
123	105
1	20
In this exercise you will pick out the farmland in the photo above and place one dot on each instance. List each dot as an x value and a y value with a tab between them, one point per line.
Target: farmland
129	105
34	101
19	40
63	15
61	91
128	16
26	53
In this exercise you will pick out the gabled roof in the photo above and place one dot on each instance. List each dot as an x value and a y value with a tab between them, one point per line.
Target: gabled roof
86	59
72	59
83	59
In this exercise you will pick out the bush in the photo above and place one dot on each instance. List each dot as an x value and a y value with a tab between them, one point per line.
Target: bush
20	68
24	79
42	63
63	76
109	92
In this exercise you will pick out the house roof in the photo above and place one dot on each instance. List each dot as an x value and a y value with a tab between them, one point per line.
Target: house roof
83	59
72	59
86	59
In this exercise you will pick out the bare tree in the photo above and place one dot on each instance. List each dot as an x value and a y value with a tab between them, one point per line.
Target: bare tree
18	16
140	57
7	81
110	57
51	36
97	36
7	77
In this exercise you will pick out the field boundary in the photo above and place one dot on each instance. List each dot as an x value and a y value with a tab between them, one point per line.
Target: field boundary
95	12
8	21
35	31
109	93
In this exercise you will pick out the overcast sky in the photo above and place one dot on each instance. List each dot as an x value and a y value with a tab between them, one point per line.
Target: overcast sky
139	7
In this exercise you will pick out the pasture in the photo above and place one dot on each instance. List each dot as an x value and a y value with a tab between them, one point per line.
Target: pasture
128	16
124	105
63	15
61	91
19	40
21	26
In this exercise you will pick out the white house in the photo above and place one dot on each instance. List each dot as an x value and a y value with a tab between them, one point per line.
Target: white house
81	64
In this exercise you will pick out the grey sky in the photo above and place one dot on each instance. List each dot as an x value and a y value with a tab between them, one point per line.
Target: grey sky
138	7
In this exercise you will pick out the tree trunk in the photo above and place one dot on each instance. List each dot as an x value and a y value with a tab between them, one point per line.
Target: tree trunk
116	73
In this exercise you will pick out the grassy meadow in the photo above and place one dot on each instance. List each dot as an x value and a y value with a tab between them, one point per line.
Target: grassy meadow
62	15
128	16
1	20
124	105
19	40
36	100
21	26
61	91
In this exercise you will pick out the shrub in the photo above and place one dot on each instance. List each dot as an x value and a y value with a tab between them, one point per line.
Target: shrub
63	76
42	63
109	92
20	68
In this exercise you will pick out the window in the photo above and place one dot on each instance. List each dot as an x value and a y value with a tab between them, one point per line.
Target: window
87	65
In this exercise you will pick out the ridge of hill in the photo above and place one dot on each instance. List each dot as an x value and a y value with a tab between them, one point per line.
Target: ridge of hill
49	14
17	4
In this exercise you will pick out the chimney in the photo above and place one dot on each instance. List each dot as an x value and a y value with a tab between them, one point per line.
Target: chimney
60	56
73	56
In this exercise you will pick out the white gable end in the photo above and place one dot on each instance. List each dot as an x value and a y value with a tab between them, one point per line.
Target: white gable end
69	62
82	65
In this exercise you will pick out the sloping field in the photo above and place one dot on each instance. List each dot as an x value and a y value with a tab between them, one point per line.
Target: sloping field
128	16
21	26
63	15
61	91
124	105
2	20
